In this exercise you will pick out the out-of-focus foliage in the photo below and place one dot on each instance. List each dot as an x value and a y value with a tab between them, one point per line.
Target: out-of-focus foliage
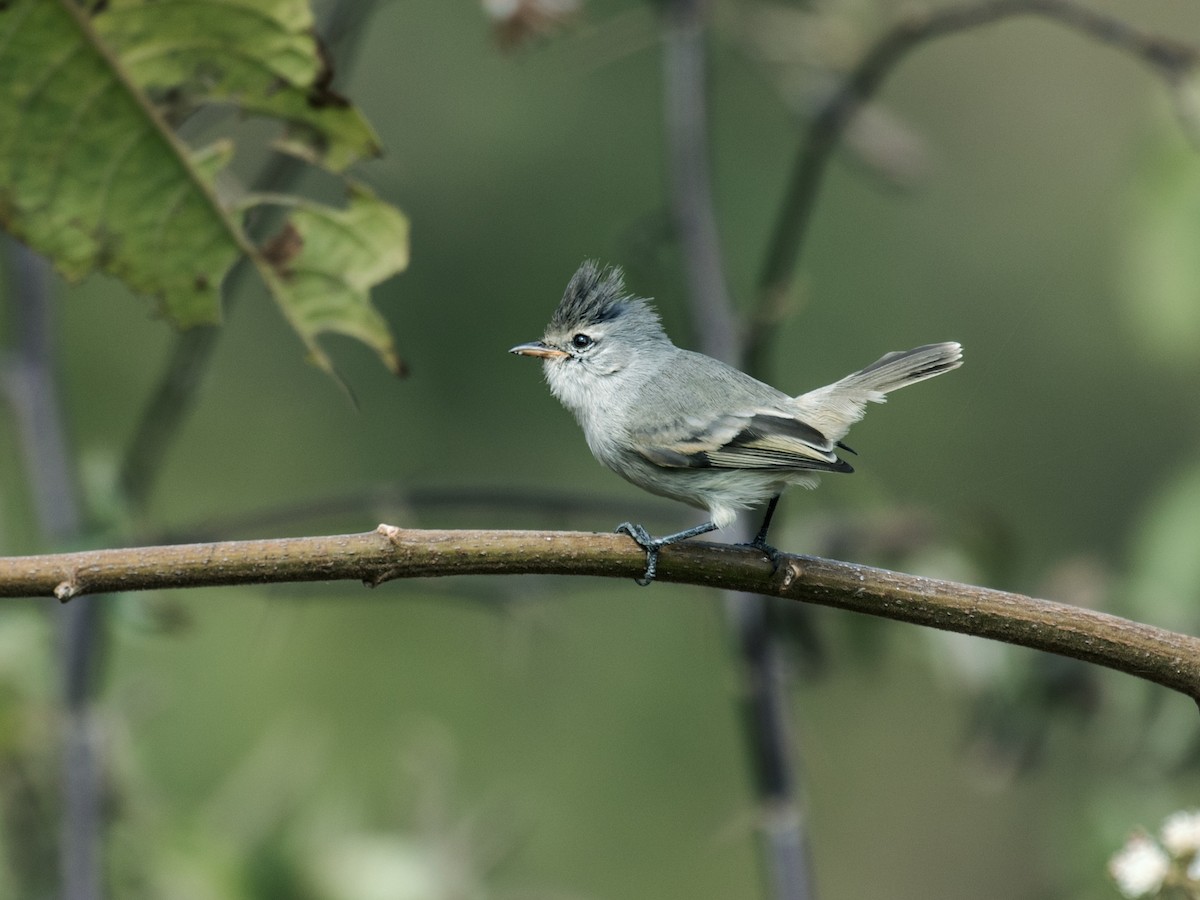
28	773
1161	271
1164	574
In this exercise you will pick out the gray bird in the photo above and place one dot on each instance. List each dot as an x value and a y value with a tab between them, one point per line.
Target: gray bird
686	426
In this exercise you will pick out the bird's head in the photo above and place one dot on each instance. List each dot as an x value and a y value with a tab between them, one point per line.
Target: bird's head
598	332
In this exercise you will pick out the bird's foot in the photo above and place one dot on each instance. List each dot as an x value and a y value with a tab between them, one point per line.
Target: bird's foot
771	553
647	543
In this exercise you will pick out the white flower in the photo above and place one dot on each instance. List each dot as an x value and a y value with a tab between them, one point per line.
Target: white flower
1139	867
1193	869
1181	833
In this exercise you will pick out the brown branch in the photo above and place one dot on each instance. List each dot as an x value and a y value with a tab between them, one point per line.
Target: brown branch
1154	654
1171	60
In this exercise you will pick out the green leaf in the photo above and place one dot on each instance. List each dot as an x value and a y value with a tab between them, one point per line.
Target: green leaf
89	177
92	176
324	262
259	55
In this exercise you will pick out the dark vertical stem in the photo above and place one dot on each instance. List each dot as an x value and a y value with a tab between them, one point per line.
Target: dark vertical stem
31	389
30	384
693	211
167	410
764	701
781	823
81	637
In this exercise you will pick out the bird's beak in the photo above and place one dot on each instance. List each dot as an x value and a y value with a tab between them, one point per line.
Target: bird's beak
538	348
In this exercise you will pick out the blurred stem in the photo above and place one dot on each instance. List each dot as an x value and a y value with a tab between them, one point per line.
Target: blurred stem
32	392
168	408
693	214
1155	654
31	386
765	714
1171	60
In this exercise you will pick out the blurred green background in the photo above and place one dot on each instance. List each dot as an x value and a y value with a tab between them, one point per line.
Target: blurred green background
529	737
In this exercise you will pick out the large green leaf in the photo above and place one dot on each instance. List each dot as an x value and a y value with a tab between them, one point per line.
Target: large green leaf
259	55
92	176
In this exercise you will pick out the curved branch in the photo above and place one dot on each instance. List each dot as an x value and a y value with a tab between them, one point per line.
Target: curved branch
1154	654
1171	60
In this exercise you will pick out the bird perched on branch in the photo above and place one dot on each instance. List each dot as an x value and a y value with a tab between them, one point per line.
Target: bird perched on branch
686	426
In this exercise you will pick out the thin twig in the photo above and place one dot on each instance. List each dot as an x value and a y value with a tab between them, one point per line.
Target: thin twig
1155	654
1170	59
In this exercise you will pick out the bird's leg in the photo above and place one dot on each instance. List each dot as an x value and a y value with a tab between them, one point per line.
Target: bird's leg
760	540
652	544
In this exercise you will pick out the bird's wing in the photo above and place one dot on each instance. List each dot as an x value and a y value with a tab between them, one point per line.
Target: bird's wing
760	439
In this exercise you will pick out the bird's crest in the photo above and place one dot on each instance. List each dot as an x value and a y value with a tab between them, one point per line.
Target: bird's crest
595	294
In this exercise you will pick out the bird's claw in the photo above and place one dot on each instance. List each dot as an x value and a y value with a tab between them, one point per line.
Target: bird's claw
774	556
647	543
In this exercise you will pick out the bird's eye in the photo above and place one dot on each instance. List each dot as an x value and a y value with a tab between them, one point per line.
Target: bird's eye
581	341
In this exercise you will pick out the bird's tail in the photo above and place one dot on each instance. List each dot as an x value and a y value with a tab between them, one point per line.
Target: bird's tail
835	407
